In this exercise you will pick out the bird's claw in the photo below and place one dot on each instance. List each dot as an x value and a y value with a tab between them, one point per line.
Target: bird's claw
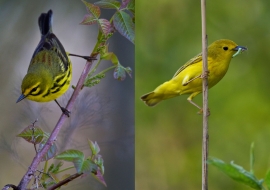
201	112
205	74
65	111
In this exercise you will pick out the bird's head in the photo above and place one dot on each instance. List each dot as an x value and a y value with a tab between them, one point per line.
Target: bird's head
224	49
33	86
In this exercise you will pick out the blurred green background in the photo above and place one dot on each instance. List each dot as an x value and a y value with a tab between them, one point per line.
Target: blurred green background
104	113
169	135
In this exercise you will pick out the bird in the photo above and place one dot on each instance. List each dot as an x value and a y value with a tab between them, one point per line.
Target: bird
50	70
188	78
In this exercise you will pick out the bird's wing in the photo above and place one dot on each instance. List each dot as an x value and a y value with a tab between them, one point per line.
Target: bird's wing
192	61
51	42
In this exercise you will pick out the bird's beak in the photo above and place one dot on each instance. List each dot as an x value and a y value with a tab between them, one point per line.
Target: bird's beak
21	98
238	47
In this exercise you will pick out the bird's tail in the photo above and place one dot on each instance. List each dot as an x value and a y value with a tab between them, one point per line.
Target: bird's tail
45	22
150	99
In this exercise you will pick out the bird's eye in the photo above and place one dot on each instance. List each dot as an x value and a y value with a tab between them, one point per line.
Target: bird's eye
34	89
225	48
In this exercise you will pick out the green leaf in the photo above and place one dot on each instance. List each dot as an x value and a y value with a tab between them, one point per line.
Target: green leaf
98	176
129	71
89	166
119	73
50	153
51	168
108	4
105	26
92	9
70	155
89	20
92	81
57	167
94	147
267	179
252	158
99	162
110	56
237	173
78	163
32	134
124	25
131	6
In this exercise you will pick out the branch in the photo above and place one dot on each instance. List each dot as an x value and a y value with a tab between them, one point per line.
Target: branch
70	178
10	186
37	159
205	100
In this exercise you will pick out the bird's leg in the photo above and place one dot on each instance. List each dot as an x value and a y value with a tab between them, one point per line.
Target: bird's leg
64	110
88	58
193	103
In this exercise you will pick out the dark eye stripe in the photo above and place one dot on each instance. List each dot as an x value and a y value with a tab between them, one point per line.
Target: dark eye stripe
37	92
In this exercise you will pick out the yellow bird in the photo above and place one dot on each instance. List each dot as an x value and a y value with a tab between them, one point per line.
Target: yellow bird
49	73
188	79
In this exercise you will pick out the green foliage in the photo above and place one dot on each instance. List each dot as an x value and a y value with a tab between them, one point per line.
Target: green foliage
32	134
108	4
122	22
81	164
36	135
267	179
236	172
92	164
50	153
239	174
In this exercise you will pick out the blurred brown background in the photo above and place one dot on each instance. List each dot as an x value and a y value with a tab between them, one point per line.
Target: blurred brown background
169	136
104	113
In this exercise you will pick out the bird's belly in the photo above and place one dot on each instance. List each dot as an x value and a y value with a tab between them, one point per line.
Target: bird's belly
216	74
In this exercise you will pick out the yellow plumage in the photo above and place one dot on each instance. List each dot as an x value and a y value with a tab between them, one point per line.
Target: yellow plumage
49	72
188	79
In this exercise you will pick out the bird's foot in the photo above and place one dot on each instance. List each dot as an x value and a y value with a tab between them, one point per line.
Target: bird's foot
201	112
65	111
205	74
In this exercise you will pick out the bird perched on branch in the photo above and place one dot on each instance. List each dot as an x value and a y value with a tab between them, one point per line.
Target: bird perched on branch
188	79
49	73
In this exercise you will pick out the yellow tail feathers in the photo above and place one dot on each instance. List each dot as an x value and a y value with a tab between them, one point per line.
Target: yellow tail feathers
150	99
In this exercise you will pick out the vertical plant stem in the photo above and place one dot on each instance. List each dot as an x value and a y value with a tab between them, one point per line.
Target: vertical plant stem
205	99
37	159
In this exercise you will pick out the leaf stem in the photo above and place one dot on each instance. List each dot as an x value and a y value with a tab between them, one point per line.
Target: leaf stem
94	69
68	168
105	70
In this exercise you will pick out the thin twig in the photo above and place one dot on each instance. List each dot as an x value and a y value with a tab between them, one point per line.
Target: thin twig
70	178
205	100
10	186
37	159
